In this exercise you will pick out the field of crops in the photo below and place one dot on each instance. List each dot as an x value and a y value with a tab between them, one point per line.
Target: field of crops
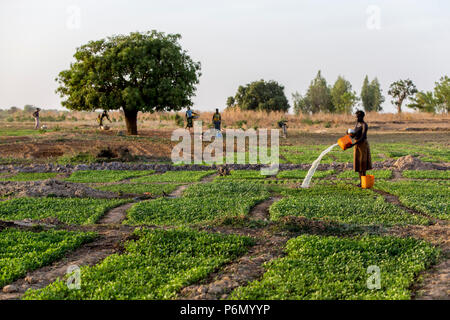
177	241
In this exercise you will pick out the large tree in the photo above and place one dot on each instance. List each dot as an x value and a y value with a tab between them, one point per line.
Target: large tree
261	95
400	91
342	96
144	72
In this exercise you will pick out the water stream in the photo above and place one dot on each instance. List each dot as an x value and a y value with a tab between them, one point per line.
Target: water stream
314	166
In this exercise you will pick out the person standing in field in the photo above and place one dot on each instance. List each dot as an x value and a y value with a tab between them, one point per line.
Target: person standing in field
189	117
36	118
217	119
282	124
362	161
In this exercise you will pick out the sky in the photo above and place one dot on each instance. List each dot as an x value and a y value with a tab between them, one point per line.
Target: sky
236	41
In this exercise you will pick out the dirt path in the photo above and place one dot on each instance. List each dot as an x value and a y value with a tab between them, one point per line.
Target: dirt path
261	210
435	284
116	215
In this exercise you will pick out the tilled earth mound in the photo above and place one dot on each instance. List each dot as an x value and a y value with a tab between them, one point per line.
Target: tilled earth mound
51	187
411	163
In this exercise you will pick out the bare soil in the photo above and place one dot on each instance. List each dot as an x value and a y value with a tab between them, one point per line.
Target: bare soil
51	187
116	215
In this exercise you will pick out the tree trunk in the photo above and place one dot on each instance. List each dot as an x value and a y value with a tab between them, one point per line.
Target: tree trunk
131	121
399	107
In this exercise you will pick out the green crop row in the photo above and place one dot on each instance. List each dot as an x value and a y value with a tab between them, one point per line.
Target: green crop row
332	268
140	188
175	176
242	175
379	152
30	176
156	266
379	174
429	197
67	210
426	174
300	174
200	203
342	203
93	176
23	251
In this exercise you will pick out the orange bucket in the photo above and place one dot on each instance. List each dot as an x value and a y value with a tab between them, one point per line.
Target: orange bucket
345	142
367	181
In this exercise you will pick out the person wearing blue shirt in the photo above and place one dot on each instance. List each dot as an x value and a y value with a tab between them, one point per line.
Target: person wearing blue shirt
189	118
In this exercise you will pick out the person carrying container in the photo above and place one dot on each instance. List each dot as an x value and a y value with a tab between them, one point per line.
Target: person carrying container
362	160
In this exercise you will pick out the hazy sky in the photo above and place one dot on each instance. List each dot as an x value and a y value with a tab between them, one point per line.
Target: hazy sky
236	41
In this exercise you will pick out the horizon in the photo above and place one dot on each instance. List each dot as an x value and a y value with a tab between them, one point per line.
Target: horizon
236	43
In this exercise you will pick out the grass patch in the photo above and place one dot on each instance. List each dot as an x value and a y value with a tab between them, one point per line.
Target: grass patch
175	176
331	268
23	251
30	176
67	210
242	175
342	203
301	174
18	132
86	176
156	266
426	174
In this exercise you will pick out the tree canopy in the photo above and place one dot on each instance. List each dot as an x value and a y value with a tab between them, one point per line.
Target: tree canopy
145	72
342	96
261	95
437	101
400	91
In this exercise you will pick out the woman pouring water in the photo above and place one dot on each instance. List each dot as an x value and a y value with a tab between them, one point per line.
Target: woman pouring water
362	160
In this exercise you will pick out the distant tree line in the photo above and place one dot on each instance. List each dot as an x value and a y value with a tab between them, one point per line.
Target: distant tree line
340	98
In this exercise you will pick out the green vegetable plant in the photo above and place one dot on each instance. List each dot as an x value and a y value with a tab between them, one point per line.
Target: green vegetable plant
67	210
342	203
156	266
332	268
92	176
23	251
200	203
